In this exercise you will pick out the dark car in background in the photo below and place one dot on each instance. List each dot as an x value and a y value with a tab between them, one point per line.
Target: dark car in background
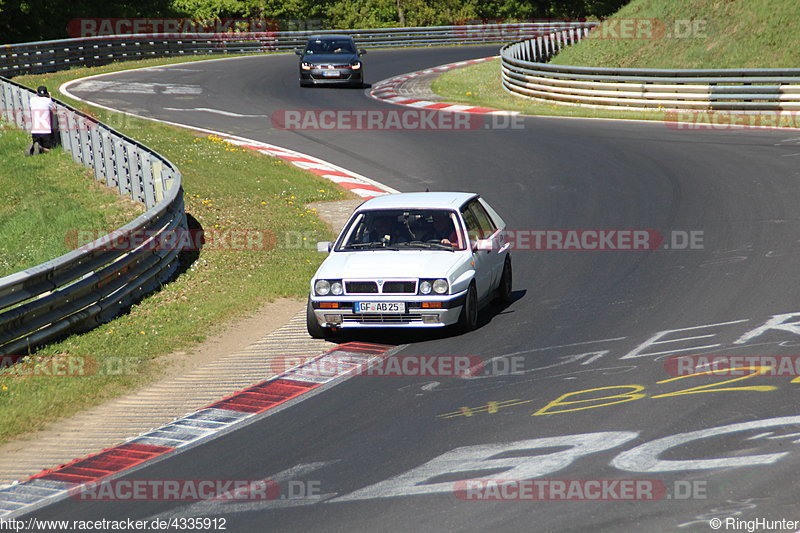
331	60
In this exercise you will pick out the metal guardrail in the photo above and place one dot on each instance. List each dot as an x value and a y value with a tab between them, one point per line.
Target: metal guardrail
525	73
92	284
46	56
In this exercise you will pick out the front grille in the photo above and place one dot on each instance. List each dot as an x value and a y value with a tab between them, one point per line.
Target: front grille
382	319
400	287
360	287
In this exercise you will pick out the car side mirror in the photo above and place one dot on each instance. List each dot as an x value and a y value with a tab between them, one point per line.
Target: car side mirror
484	245
298	52
324	246
361	51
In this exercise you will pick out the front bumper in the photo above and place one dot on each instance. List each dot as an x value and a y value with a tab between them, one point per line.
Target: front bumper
319	76
415	316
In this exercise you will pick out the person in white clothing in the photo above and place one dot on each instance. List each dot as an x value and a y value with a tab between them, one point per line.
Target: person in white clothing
42	111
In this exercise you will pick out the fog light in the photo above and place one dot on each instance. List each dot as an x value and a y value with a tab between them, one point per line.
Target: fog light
333	319
430	319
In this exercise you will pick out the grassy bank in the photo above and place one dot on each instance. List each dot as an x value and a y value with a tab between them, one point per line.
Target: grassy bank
226	188
42	198
677	34
697	34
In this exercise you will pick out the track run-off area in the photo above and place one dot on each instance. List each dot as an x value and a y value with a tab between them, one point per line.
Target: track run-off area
576	388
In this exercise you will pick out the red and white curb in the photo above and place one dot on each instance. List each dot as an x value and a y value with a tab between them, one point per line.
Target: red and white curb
231	413
386	91
355	183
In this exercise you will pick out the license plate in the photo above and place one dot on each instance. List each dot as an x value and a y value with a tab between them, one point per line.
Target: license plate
393	308
331	73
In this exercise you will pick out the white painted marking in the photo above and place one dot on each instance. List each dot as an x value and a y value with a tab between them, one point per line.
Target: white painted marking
644	458
468	460
637	352
225	506
136	87
778	322
215	111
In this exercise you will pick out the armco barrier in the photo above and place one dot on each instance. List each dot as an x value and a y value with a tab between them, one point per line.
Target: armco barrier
525	73
92	284
46	56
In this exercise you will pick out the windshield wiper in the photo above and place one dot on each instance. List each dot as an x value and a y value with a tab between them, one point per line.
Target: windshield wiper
376	244
427	245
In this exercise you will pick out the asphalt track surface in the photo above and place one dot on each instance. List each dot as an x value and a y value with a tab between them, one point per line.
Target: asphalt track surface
578	322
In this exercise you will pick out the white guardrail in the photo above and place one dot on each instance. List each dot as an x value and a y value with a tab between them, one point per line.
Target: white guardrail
525	73
90	285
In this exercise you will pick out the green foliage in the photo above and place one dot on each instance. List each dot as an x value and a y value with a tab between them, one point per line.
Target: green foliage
29	20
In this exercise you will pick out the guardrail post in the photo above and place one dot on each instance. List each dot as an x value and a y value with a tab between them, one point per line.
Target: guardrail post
121	166
107	160
96	143
135	172
74	136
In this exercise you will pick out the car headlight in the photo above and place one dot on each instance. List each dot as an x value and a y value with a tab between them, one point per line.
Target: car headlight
322	287
425	287
336	288
440	286
305	66
356	65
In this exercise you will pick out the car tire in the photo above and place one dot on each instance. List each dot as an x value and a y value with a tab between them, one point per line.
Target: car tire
312	324
468	320
506	280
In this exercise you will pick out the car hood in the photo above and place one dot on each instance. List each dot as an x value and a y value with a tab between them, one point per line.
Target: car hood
330	59
390	264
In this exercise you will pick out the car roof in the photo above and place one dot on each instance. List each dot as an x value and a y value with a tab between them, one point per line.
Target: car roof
419	200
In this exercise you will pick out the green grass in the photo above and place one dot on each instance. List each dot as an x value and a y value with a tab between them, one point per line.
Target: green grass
731	34
480	85
720	34
43	198
226	188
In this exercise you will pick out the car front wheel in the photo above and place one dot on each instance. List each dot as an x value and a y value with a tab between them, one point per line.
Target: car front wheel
312	324
469	312
504	288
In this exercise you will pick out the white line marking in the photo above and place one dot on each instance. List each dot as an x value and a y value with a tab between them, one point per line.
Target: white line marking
215	111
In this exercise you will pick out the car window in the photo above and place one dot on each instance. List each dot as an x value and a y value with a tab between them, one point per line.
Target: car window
431	229
485	224
473	227
330	46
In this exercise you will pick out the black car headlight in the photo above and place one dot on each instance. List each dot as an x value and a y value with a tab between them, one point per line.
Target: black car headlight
305	65
356	65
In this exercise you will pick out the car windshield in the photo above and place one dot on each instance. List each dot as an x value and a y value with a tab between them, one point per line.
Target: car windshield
330	46
399	229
